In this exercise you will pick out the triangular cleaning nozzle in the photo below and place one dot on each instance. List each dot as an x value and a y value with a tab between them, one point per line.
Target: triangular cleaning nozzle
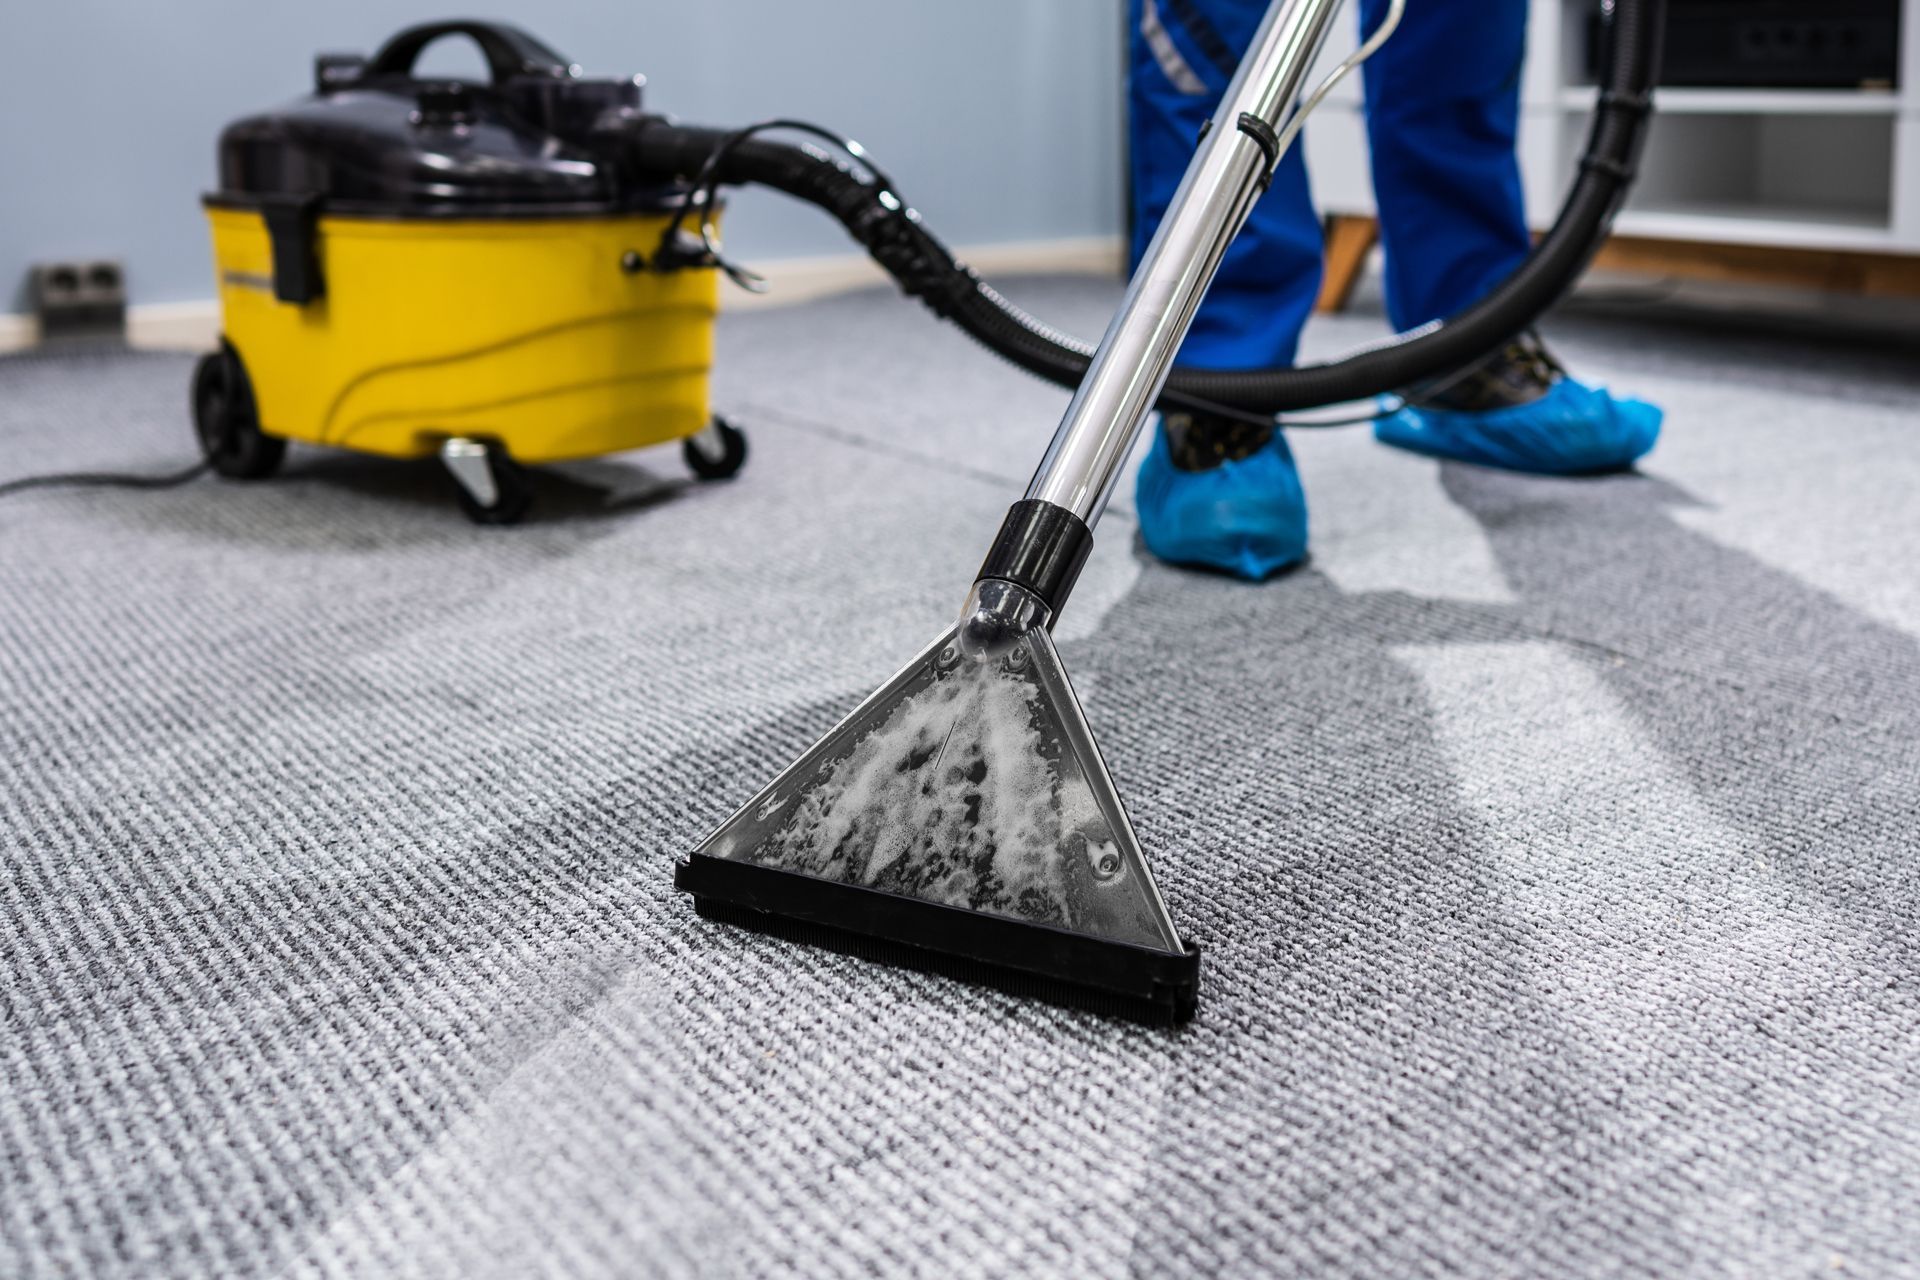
961	812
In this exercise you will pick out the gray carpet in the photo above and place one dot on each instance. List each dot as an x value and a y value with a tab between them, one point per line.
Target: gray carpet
1552	844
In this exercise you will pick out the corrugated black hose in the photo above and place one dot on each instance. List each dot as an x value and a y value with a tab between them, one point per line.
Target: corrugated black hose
863	202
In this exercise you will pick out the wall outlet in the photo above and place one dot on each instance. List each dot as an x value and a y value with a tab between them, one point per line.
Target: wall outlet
80	299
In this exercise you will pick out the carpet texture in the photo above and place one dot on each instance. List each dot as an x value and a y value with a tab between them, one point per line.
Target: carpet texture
1552	844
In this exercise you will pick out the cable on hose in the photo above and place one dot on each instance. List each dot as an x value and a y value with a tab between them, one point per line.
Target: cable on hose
1297	118
704	192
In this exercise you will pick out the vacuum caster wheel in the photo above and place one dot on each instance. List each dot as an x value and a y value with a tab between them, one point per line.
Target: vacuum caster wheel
717	451
228	423
492	487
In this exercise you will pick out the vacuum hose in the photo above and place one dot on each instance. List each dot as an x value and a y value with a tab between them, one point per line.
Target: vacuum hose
659	150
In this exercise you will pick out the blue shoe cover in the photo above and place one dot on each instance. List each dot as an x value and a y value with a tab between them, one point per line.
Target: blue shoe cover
1573	429
1248	518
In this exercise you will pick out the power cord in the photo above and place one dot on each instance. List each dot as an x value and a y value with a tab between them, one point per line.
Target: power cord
104	480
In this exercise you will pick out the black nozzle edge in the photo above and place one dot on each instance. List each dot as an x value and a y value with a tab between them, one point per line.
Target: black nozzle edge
1022	957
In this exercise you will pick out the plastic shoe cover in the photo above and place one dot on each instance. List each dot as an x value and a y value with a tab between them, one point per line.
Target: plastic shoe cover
1573	429
1248	518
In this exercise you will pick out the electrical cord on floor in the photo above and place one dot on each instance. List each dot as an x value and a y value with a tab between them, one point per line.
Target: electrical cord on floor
104	480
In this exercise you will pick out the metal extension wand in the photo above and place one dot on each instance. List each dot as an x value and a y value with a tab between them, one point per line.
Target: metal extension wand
1048	534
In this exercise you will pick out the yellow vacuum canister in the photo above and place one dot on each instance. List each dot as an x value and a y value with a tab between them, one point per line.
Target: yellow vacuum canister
413	267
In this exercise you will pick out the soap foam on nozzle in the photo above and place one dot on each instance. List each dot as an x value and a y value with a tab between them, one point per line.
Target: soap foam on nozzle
965	796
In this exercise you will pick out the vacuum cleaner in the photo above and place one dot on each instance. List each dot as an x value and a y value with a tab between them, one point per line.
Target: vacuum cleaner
410	267
960	820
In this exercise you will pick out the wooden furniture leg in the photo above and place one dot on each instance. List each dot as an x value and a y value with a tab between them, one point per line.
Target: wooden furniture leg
1349	238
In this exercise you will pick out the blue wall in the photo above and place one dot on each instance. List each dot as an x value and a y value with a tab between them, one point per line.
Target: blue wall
1000	119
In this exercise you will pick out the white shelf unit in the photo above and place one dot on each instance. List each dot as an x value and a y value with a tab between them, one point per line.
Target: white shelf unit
1801	168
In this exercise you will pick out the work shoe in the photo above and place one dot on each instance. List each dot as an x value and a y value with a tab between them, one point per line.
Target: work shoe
1519	411
1222	493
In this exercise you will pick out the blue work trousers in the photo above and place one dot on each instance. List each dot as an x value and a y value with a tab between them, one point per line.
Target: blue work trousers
1443	106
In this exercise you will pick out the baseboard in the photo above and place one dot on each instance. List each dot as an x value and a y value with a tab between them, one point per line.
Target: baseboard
154	326
174	326
794	280
18	332
195	326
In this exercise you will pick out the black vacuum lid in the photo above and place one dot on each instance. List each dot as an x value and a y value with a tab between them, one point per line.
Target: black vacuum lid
536	139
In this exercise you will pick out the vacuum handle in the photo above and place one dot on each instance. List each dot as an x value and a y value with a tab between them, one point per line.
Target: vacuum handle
1237	155
509	51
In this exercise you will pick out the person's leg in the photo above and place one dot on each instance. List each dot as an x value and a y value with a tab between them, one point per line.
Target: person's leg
1218	492
1183	54
1443	110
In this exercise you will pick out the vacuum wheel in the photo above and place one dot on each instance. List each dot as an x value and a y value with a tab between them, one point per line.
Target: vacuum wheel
227	421
716	452
491	486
